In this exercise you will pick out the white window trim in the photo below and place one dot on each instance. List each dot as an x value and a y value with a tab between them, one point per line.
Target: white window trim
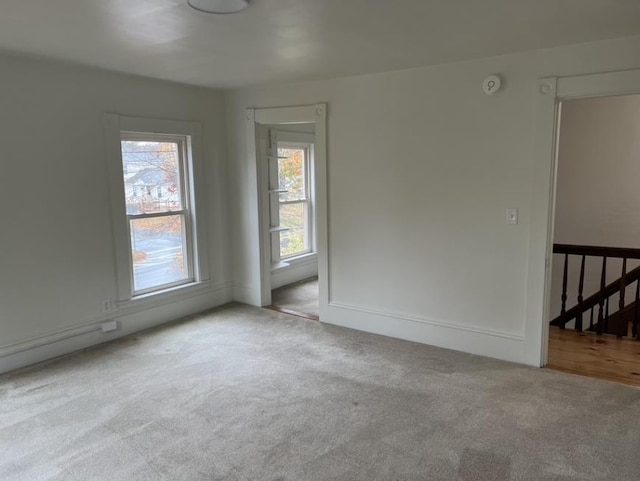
307	141
186	200
308	200
114	126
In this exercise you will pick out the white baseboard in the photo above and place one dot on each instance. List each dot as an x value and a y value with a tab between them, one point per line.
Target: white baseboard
499	345
64	341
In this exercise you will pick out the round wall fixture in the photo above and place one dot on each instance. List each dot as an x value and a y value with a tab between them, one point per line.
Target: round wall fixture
219	6
491	85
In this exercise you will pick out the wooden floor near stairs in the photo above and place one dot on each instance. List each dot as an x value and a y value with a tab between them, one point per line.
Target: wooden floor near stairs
603	357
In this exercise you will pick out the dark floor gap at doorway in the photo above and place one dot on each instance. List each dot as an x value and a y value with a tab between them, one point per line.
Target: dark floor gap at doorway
298	299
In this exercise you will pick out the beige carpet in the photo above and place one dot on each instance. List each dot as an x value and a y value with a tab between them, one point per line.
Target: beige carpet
243	393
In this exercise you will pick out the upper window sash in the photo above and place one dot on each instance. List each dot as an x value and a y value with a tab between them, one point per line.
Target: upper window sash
182	169
287	197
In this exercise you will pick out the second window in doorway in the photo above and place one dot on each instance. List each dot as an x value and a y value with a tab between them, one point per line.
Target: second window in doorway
295	207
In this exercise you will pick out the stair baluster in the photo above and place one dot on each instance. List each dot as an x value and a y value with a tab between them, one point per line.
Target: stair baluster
603	278
563	308
636	309
580	296
623	288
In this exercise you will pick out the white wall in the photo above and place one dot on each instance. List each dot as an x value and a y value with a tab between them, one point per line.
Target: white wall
422	166
56	250
598	188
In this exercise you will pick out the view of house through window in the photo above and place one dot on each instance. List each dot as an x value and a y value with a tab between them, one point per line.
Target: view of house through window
157	202
294	208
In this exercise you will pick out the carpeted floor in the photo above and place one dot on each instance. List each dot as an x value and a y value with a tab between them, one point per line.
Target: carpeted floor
300	297
242	393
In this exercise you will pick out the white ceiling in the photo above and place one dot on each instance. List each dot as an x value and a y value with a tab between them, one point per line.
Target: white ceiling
286	40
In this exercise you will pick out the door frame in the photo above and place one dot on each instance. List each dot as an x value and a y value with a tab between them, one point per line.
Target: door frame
551	92
306	114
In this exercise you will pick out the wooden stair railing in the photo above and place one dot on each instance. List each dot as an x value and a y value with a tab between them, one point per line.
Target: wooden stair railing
614	323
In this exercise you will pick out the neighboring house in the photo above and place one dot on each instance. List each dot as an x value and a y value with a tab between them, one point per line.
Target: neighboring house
148	188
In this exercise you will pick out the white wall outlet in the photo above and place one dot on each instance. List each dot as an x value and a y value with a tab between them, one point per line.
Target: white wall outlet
512	216
107	305
109	326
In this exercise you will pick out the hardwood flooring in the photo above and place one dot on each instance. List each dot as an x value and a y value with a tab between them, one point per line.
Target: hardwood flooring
603	357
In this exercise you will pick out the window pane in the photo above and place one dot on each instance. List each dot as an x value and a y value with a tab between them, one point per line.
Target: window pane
151	176
293	241
157	250
291	174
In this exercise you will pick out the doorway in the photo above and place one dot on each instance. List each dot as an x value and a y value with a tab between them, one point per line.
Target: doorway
594	302
549	94
289	147
290	181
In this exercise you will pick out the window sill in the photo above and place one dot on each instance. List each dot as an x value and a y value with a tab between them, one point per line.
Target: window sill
297	260
153	299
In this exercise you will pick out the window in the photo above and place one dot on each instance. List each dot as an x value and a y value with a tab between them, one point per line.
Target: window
158	226
152	167
295	209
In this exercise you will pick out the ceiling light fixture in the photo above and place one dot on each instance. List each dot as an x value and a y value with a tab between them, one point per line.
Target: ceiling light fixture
219	6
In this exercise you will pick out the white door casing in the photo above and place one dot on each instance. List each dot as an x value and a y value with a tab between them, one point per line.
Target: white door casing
262	246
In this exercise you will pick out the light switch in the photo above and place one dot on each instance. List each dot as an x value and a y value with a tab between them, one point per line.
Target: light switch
512	216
